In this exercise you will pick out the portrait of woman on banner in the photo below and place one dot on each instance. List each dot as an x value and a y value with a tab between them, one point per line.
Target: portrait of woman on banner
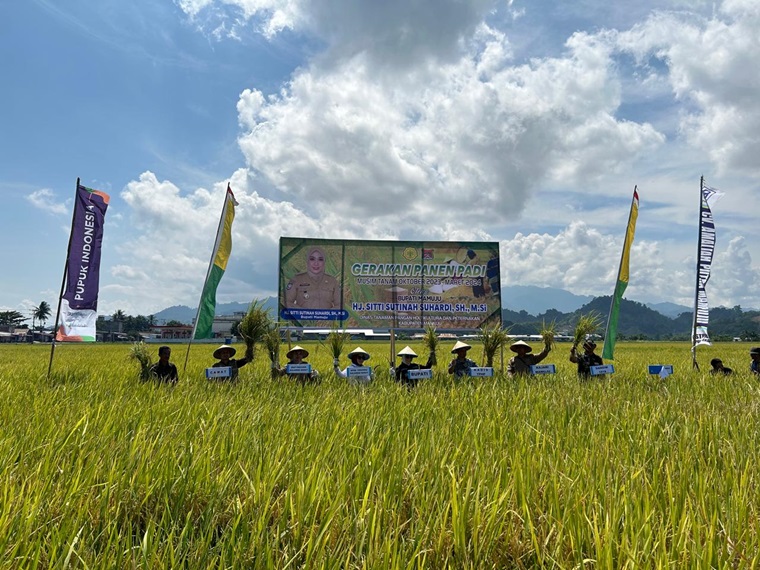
313	288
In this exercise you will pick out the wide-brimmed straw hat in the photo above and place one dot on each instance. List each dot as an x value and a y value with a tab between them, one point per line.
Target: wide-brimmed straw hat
459	346
225	347
407	351
359	350
515	345
755	350
296	348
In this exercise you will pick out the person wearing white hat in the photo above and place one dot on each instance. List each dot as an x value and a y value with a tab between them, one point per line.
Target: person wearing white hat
224	354
520	364
460	366
402	376
296	355
358	357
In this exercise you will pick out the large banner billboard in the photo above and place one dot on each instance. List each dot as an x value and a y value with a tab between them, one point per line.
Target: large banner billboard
389	284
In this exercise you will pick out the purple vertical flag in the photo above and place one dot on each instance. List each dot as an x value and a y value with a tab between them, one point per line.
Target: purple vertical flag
79	303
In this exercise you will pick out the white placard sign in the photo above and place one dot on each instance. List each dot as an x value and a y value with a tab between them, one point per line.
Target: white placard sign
218	372
419	374
661	368
481	371
543	369
304	368
602	369
358	371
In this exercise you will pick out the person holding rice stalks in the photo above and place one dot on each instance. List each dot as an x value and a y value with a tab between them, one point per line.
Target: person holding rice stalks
164	371
358	358
586	360
224	355
460	366
407	355
297	355
521	363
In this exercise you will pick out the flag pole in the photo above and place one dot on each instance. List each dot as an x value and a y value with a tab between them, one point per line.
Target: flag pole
694	363
208	272
63	281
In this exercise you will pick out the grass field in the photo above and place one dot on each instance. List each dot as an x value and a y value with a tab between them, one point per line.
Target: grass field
101	471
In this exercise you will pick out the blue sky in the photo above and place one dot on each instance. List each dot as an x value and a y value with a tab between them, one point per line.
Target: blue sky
523	122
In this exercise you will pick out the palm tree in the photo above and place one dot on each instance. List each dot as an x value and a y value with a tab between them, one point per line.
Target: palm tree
42	313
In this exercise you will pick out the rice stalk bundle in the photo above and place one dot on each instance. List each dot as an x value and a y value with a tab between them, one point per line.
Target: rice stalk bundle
272	344
548	332
493	338
254	326
336	339
141	354
587	324
431	341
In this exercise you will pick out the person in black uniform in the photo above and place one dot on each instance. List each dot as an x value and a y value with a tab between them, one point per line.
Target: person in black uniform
402	376
586	360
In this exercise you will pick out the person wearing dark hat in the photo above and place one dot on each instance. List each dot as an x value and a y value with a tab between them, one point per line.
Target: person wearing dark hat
460	366
224	354
358	358
521	363
297	355
402	370
164	371
586	360
754	354
718	368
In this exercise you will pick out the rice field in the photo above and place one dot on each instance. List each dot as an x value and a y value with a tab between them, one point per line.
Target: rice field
99	470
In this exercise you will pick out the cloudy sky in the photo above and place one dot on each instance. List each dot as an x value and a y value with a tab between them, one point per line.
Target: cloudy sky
523	122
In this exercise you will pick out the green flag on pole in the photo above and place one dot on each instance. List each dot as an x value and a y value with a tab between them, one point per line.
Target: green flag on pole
610	335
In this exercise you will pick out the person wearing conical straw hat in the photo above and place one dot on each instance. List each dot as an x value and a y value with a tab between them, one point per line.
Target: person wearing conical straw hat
586	360
460	366
297	355
521	363
224	356
407	355
358	357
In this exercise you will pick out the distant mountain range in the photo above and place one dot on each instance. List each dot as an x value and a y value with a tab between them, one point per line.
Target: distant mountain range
531	299
526	308
185	314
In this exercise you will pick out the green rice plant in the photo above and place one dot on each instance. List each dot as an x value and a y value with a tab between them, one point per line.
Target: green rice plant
139	352
336	340
586	325
548	332
493	338
431	342
101	471
254	326
272	343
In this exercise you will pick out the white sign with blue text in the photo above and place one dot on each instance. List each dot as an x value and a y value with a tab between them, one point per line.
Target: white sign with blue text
218	372
602	369
303	368
543	369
